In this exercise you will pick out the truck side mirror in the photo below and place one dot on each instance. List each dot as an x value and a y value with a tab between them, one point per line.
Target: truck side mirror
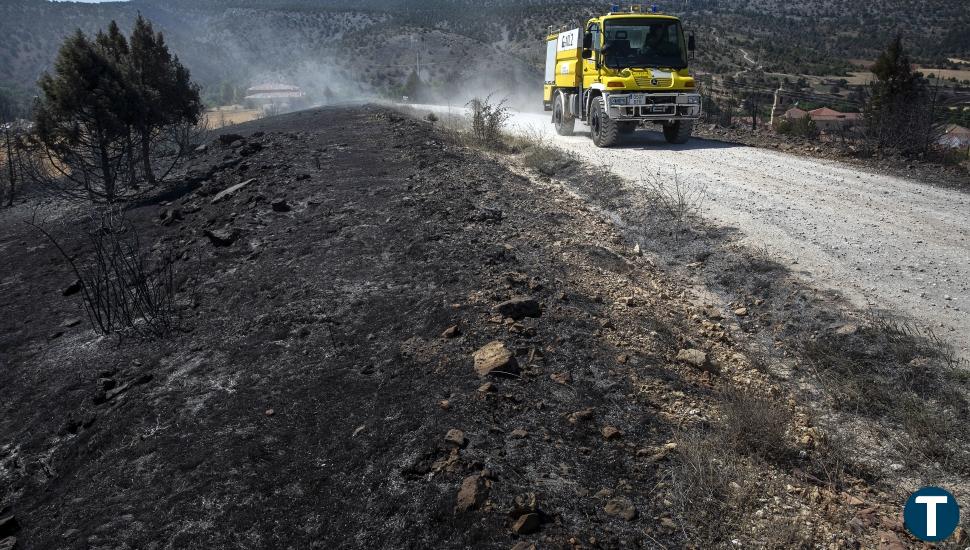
587	41
587	54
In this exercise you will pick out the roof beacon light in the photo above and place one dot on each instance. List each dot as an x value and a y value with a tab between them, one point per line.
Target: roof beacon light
614	8
653	8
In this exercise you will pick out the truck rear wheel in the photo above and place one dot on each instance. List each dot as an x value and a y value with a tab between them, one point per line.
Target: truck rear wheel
603	128
678	132
564	123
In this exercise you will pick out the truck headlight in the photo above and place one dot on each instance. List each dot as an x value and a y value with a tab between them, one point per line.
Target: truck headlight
618	100
693	99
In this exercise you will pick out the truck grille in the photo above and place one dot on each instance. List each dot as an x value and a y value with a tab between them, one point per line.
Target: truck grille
644	82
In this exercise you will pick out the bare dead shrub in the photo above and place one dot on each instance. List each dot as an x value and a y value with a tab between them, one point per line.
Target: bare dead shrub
890	369
710	489
757	425
675	197
539	154
126	290
487	120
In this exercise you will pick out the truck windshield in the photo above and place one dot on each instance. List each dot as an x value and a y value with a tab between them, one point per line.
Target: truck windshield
639	42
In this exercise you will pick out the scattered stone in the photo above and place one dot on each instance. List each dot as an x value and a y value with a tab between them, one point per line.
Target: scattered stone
523	545
847	330
526	524
656	455
520	433
610	433
202	148
451	332
106	384
71	322
359	430
852	500
487	387
444	404
519	308
271	412
472	494
228	139
8	525
495	358
250	149
73	288
231	190
486	214
222	237
580	416
695	357
622	508
561	378
603	493
628	301
280	205
741	312
889	541
456	437
524	504
636	249
698	359
170	216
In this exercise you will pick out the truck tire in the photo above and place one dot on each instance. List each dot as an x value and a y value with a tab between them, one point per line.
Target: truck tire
627	127
678	132
564	123
602	128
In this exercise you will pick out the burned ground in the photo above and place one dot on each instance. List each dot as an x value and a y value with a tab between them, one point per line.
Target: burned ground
331	308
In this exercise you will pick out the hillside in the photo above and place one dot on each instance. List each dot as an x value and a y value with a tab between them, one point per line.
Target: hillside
463	47
391	340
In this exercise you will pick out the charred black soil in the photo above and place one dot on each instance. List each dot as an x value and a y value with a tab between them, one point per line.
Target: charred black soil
323	391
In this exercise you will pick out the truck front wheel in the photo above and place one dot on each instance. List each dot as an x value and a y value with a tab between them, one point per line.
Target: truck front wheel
564	123
603	128
678	132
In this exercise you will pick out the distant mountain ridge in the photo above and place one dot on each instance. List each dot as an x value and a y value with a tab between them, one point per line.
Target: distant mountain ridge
353	47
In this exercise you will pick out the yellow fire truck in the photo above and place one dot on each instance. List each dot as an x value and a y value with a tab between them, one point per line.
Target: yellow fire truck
619	72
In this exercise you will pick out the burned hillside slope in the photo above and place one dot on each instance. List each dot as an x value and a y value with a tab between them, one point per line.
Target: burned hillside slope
394	342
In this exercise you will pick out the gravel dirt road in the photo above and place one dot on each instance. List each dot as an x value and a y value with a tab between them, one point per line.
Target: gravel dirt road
882	241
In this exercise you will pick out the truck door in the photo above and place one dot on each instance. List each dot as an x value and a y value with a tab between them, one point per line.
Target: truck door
590	72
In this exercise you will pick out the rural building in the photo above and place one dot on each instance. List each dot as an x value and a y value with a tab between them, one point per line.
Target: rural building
276	97
826	119
955	137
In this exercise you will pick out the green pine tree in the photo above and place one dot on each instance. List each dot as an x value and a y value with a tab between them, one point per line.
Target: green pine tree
167	96
78	118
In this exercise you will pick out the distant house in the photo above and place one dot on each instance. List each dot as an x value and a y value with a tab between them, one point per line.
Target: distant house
826	119
795	114
276	97
955	137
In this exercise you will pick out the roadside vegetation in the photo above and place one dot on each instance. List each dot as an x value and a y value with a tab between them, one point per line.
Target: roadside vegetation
116	116
846	402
